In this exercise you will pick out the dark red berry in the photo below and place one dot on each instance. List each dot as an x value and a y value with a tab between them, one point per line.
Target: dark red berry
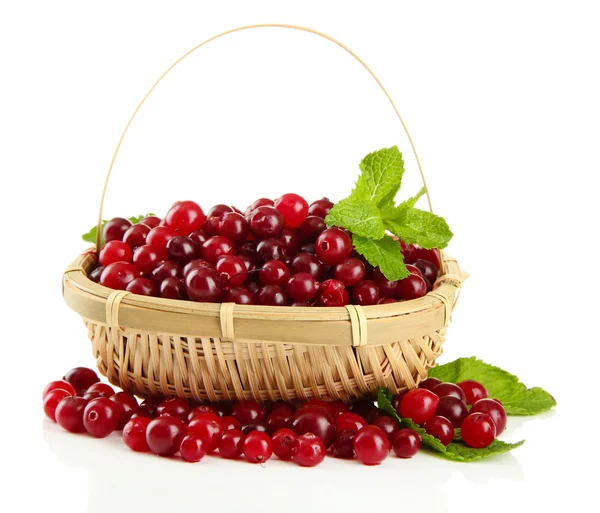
320	208
115	229
270	249
81	378
350	272
349	420
473	391
310	229
308	450
247	410
69	413
317	420
266	222
96	273
365	293
164	435
272	295
441	428
274	272
283	443
371	445
412	287
430	383
478	430
174	407
254	425
233	226
166	270
204	285
406	443
453	409
388	425
129	406
387	288
307	263
332	293
449	389
495	410
343	447
135	236
279	418
302	287
231	444
173	288
142	287
182	250
428	270
147	258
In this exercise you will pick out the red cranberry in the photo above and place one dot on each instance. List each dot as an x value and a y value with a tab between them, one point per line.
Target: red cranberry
307	263
216	247
174	407
198	410
315	420
495	410
101	416
115	229
290	241
272	295
412	287
192	448
279	418
166	270
302	287
81	378
230	423
419	405
101	388
274	272
204	285
266	222
332	293
387	288
429	383
310	229
164	435
449	389
233	226
428	270
262	202
69	413
453	409
320	208
441	428
350	272
343	447
135	236
134	434
231	444
51	401
258	447
173	288
365	293
371	445
247	410
160	236
182	250
185	217
349	420
254	425
283	443
293	208
478	430
308	450
473	391
209	428
388	425
232	271
270	249
333	246
406	443
61	384
129	406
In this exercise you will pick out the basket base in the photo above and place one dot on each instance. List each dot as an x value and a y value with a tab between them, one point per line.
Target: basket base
211	369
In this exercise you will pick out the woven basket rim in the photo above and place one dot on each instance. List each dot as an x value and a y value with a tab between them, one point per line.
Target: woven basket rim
89	299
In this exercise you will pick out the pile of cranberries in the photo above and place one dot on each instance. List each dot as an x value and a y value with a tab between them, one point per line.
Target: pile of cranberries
275	253
303	432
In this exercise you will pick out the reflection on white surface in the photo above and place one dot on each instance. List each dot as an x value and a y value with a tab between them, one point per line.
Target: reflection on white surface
121	480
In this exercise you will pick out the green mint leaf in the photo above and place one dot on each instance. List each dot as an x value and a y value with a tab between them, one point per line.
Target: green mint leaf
455	451
516	398
416	226
381	176
361	217
383	253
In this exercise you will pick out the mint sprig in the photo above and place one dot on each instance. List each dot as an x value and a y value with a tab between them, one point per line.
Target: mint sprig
516	398
90	235
370	211
455	451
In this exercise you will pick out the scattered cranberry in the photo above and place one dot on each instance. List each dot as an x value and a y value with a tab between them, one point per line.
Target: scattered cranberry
174	407
316	420
101	416
453	409
231	444
308	450
81	378
349	420
473	391
134	434
343	447
280	418
61	384
406	443
209	428
495	410
283	443
371	445
441	428
228	422
164	435
101	388
69	414
388	425
449	389
129	406
419	405
258	447
247	410
478	430
51	401
192	448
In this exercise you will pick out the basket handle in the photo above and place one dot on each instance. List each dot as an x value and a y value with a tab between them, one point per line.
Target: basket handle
231	31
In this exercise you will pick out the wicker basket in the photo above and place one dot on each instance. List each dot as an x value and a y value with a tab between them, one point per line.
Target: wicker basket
214	352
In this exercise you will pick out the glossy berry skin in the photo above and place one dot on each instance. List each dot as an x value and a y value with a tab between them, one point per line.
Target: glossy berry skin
333	246
332	293
95	274
231	270
151	221
142	287
431	255
254	425
69	413
311	228
338	407
81	378
441	428
166	270
216	247
349	420
51	400
118	275
134	434
449	389
115	251
302	287
102	389
231	444
291	241
233	226
192	448
308	450
343	447
307	263
365	293
199	237
194	264
115	229
414	270
199	410
136	235
453	409
219	210
270	249
388	425
279	418
128	406
164	435
274	272
387	288
101	416
371	445
320	208
258	447
386	301
204	285
266	222
495	410
315	420
247	410
283	443
365	408
182	250
147	258
172	288
272	295
406	443
473	391
240	296
350	271
60	384
185	217
293	208
419	405
430	383
174	407
412	287
397	399
160	236
261	202
478	430
230	423
428	270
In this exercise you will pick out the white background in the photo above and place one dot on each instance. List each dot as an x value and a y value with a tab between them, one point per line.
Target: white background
502	102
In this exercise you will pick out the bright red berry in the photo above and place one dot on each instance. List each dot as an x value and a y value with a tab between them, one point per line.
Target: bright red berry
441	428
333	246
102	389
192	448
308	450
343	447
61	384
478	430
51	400
258	447
406	443
349	420
283	443
371	445
134	434
164	435
115	251
473	391
69	414
129	406
495	410
209	428
101	416
293	208
419	405
231	444
185	217
332	293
